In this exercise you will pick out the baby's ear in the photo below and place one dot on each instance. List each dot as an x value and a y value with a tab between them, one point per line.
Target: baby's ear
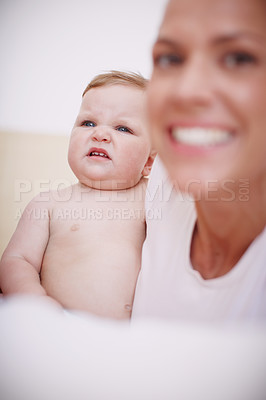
147	167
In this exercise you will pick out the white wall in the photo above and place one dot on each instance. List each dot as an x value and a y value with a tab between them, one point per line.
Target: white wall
50	49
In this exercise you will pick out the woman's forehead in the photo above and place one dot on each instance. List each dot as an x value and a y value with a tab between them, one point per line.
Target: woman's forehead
219	13
222	4
204	9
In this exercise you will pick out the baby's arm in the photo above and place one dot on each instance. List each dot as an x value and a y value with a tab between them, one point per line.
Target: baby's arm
21	262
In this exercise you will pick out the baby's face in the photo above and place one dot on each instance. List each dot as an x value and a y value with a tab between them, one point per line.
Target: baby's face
109	144
207	95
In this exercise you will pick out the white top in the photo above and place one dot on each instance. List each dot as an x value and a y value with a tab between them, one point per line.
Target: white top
169	287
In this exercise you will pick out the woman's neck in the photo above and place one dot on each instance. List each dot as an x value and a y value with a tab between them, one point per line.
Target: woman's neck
223	232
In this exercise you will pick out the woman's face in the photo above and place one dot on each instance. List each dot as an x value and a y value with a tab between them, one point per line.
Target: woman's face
207	95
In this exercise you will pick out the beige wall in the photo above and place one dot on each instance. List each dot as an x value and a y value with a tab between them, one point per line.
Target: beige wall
28	164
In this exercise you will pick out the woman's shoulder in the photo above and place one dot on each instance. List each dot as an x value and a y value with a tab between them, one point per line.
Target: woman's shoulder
161	189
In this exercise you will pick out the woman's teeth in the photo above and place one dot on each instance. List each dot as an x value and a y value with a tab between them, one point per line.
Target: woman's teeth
201	136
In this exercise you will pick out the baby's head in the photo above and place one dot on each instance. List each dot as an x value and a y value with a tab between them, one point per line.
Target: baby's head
109	146
130	79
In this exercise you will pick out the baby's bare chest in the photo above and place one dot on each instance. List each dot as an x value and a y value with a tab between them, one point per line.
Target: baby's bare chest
93	220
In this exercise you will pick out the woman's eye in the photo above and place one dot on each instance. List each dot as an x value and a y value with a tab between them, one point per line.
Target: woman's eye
124	129
238	59
88	123
167	60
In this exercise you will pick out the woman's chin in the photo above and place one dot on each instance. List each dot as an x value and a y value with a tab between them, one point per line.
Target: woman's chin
203	183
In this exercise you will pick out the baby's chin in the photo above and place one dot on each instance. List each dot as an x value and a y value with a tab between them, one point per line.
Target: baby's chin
109	185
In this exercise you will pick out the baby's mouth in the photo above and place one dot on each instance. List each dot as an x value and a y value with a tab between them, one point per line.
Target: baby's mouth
200	136
98	153
95	153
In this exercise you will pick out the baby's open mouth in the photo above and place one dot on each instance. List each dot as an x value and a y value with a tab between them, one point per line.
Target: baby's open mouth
101	153
97	154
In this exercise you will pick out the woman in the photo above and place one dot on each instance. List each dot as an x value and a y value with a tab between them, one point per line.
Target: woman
205	259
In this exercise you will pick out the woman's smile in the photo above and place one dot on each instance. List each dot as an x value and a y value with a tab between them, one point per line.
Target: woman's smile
199	136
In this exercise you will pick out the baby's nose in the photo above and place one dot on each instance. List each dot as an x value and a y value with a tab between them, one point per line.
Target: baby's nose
101	135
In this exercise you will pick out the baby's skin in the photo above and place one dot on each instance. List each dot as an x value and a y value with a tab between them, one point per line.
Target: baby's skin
93	256
91	242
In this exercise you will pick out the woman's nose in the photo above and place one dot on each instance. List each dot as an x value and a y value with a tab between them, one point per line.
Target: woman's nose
101	134
194	83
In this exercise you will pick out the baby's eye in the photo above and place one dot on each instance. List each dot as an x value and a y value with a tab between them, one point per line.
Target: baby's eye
239	59
124	129
167	60
88	123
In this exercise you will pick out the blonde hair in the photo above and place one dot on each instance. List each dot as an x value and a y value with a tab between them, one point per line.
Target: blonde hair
117	78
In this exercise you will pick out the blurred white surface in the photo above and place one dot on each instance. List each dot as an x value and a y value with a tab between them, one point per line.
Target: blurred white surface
50	355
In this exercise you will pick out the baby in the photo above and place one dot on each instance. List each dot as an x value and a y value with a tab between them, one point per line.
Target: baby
81	246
